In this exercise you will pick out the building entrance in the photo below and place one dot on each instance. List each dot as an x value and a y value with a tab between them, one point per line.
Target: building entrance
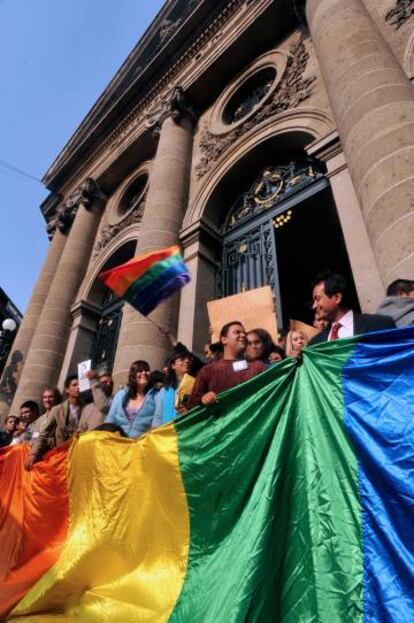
281	232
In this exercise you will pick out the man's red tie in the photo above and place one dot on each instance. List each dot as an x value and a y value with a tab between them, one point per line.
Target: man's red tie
335	331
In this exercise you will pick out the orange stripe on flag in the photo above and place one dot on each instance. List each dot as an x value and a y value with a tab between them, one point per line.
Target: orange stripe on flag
34	517
120	278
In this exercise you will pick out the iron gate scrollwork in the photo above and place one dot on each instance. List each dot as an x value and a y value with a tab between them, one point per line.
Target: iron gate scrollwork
249	258
248	262
107	333
274	184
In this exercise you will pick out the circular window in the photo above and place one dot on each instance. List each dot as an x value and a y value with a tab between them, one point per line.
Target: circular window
249	95
133	195
248	92
129	196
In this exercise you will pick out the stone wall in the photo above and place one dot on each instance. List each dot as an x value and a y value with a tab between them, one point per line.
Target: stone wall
395	20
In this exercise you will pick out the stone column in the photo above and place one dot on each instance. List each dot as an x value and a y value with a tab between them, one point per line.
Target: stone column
49	342
165	206
373	104
21	344
201	246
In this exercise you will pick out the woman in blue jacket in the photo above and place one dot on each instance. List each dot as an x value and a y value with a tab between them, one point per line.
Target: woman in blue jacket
133	407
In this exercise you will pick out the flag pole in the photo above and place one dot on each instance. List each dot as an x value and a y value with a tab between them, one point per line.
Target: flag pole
164	332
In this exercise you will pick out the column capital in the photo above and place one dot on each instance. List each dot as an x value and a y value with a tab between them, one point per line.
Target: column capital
66	212
175	105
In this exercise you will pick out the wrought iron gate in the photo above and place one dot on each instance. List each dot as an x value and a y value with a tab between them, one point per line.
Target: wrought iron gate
107	333
249	261
249	257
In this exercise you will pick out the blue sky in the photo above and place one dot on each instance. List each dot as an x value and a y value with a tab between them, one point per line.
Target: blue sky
56	57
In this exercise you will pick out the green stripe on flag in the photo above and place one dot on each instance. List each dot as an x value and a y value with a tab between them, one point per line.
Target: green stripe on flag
150	275
272	489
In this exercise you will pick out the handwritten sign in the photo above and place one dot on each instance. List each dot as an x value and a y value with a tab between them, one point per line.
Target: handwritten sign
254	309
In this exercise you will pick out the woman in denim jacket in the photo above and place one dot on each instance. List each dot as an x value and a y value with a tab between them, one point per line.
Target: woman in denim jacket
133	407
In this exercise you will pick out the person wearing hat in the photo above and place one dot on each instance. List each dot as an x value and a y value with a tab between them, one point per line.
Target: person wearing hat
178	385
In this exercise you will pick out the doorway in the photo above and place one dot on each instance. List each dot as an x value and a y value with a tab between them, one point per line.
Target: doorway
308	241
282	231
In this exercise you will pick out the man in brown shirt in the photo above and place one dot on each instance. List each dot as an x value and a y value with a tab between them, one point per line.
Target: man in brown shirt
62	423
227	372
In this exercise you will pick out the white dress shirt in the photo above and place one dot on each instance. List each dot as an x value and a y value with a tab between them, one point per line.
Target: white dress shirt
347	325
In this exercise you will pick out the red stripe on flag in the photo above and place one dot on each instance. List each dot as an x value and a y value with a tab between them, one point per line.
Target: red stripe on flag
119	279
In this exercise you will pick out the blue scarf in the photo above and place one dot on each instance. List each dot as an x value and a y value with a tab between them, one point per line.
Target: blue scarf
168	405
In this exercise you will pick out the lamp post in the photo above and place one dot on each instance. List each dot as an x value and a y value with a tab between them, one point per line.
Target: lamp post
6	339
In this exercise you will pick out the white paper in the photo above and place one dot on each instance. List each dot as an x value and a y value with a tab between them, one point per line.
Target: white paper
83	368
240	365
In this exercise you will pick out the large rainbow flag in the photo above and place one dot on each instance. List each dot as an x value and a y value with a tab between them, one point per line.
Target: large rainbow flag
148	279
290	501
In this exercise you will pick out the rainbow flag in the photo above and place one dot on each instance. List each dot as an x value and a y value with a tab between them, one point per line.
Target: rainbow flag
291	500
148	279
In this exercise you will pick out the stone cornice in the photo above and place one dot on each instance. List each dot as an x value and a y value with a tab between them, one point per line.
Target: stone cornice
150	57
198	54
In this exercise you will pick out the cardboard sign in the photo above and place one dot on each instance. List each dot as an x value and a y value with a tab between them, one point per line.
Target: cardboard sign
254	309
298	325
83	368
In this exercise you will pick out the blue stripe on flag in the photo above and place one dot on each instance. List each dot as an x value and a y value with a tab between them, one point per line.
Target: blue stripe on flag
379	416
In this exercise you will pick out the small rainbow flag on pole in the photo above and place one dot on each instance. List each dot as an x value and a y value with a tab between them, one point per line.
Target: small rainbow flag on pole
148	279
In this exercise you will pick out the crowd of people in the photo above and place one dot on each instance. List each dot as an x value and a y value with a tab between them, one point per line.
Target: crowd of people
153	398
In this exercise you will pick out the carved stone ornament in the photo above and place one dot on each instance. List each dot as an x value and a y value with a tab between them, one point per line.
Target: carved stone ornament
170	26
109	233
65	214
174	106
402	12
291	91
273	184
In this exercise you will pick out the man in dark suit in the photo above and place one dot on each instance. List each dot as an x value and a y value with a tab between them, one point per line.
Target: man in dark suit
331	303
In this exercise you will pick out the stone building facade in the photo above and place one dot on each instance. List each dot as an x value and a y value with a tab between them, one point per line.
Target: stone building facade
270	138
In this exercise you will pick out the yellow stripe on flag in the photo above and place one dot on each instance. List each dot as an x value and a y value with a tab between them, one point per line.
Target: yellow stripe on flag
124	558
